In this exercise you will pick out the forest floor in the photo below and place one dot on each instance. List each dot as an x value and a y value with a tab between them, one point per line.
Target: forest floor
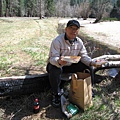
24	48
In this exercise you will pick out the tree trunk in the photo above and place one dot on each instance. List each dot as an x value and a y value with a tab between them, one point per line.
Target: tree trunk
40	10
0	8
98	19
7	8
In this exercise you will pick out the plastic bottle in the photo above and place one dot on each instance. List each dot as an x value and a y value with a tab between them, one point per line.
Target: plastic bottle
64	103
69	115
36	107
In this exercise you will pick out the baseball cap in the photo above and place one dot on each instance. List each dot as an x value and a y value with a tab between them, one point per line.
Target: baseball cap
73	22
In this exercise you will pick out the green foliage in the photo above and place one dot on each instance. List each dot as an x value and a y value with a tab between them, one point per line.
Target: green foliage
4	62
110	19
39	56
118	3
21	5
75	2
50	6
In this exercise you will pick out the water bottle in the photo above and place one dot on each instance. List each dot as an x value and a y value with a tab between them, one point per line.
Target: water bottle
36	106
64	103
69	115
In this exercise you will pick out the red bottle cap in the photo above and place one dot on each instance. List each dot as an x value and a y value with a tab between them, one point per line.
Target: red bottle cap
36	100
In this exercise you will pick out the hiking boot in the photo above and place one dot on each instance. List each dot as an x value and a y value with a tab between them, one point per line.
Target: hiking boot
56	100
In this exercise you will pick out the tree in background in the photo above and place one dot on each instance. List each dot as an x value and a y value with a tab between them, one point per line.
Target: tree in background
75	2
63	9
49	8
118	7
30	8
7	10
118	3
0	8
85	8
115	13
58	8
99	7
10	8
40	9
21	11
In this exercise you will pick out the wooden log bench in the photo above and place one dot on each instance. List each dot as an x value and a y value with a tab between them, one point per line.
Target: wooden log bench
24	84
27	84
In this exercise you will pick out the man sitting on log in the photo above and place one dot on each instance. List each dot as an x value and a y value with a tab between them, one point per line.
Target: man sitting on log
66	45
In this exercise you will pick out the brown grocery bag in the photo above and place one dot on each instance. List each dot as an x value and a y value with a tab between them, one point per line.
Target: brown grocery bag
81	90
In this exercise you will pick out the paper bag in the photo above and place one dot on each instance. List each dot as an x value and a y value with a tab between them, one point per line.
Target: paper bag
81	90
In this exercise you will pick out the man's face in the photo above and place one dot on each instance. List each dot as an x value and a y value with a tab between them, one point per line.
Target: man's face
72	32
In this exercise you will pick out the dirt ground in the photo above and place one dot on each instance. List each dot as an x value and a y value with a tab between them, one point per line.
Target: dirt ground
104	32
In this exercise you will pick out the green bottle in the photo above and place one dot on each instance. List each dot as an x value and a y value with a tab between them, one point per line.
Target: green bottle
72	109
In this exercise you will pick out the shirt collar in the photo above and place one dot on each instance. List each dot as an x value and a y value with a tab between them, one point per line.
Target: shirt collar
70	41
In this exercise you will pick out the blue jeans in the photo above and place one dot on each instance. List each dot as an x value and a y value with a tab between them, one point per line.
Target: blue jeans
55	73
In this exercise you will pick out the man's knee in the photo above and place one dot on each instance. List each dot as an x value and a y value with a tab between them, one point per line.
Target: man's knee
52	68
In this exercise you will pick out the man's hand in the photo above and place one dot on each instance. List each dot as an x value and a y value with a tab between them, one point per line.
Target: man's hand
61	62
99	63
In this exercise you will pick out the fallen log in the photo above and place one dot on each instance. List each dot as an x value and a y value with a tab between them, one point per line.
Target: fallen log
108	57
108	65
24	84
112	61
